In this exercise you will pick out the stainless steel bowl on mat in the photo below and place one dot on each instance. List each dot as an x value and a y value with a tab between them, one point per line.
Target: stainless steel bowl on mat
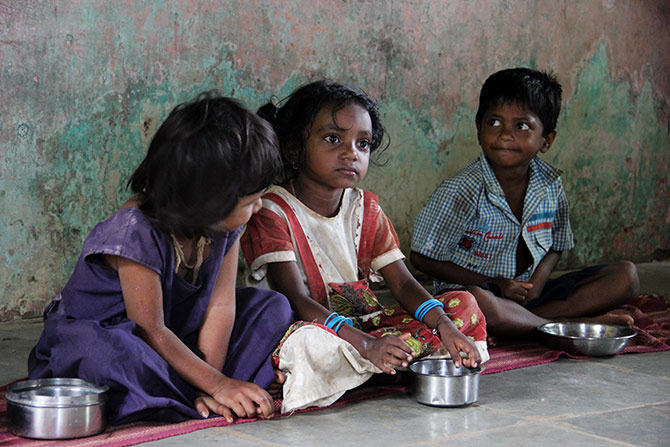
589	339
438	382
58	408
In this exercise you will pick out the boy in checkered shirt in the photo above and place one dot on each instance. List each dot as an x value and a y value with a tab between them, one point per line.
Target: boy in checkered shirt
498	227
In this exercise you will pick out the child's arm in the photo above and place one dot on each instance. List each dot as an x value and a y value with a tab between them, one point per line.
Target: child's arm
410	294
143	298
447	271
541	275
384	352
213	342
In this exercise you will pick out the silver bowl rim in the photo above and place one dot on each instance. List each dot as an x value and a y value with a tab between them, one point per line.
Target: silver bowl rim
467	370
22	393
543	329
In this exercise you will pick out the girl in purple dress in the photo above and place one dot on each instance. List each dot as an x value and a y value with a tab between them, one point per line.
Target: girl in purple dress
151	309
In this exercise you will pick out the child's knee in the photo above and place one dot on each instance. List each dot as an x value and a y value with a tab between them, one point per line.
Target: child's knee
465	312
281	309
627	272
456	301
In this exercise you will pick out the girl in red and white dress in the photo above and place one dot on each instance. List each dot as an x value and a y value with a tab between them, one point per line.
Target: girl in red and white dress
320	241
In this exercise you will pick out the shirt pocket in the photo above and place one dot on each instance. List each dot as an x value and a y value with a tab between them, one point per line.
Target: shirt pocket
543	239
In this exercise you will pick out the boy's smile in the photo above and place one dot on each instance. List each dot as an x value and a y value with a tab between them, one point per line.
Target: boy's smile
510	135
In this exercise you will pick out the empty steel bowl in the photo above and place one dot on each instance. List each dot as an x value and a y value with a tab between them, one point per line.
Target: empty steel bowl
439	383
589	339
56	408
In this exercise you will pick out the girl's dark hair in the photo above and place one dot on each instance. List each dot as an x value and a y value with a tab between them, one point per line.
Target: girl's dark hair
292	120
205	156
538	91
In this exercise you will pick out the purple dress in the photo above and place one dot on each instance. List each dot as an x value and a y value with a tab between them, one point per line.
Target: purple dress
87	333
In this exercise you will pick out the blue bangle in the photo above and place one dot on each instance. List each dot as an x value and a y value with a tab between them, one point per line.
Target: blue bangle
426	307
347	320
430	303
420	309
334	321
328	322
339	323
430	307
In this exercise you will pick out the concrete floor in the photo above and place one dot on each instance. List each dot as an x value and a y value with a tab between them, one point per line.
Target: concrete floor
618	401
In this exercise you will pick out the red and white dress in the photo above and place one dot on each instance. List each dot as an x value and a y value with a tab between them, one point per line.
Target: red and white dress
338	256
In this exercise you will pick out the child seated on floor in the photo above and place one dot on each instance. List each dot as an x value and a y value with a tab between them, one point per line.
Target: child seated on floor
319	240
498	228
151	309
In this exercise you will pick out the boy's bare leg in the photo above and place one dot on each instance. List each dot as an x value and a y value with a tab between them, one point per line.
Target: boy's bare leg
504	317
590	301
595	296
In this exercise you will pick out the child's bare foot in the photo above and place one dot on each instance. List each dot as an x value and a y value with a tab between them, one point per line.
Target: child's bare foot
610	318
276	389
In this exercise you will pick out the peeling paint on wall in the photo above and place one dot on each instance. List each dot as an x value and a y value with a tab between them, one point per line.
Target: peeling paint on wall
85	84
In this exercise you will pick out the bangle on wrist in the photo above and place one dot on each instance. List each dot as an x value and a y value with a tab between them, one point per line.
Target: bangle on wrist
426	307
334	321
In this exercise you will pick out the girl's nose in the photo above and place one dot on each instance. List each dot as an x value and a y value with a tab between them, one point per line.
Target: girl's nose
350	150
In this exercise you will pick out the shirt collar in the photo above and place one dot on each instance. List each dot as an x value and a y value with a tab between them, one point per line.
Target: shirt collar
541	172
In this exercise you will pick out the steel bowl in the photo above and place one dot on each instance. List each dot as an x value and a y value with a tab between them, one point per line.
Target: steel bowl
56	408
439	383
591	339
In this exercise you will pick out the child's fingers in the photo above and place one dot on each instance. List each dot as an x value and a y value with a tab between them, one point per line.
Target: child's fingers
280	377
201	407
402	338
244	407
517	297
226	413
470	362
473	358
256	404
215	407
265	404
455	354
398	357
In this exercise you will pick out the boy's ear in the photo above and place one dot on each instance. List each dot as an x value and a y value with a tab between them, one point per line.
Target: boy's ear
548	141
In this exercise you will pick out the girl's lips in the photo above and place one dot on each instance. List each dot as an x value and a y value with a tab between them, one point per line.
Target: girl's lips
348	171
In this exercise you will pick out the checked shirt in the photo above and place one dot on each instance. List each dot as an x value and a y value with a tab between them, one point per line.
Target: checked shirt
468	221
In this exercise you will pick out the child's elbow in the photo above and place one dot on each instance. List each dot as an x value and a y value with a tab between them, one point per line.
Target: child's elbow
419	262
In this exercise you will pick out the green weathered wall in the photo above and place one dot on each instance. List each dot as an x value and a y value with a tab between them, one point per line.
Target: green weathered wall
84	84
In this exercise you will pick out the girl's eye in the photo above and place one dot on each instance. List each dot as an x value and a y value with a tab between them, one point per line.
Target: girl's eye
523	126
494	122
364	145
332	139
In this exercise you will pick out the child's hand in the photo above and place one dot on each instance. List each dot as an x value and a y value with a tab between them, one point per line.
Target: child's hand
514	290
531	295
245	399
387	352
455	343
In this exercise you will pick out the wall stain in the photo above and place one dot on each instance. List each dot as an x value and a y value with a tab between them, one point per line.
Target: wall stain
87	83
